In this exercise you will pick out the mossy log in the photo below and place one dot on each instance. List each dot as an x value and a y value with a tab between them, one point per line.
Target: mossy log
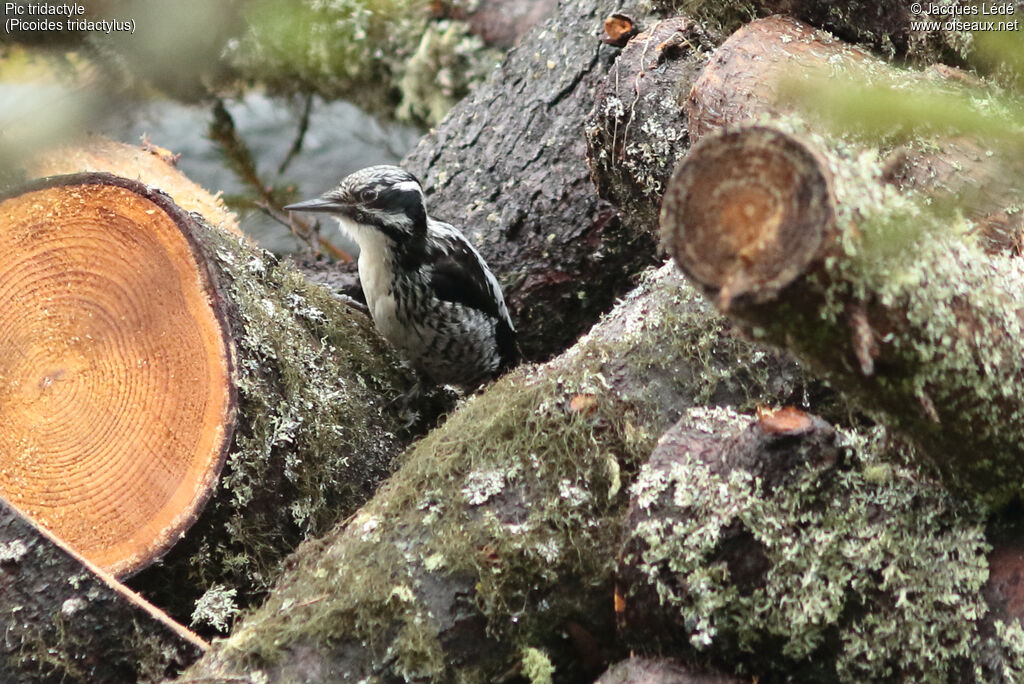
496	538
508	166
752	77
64	619
652	107
907	313
793	551
146	354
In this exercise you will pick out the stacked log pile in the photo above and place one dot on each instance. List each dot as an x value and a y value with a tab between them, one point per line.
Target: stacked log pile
668	499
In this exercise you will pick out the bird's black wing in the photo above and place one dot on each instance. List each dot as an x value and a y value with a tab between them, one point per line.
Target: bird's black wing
457	274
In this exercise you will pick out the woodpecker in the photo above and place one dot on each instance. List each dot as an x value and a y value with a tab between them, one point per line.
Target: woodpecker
428	290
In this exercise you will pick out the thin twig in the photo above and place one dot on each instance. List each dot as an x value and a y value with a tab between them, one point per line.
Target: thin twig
300	136
224	133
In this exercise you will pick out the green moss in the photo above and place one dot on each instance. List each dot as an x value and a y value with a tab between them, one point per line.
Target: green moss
516	502
375	53
64	649
880	577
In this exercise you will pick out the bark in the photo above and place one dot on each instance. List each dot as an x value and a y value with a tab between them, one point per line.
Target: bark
312	429
66	620
904	312
752	77
490	551
800	553
637	131
507	166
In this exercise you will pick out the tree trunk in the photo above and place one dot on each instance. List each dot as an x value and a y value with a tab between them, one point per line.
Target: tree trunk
497	536
902	311
147	351
507	165
66	620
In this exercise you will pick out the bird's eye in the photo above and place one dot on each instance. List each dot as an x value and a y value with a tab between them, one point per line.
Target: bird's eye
369	194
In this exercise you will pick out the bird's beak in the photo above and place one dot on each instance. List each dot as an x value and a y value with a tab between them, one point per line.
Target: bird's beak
318	204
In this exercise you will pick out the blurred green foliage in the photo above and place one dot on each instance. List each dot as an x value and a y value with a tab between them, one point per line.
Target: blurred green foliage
893	107
388	56
392	58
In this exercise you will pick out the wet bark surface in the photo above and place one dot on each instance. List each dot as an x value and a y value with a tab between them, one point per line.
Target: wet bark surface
508	167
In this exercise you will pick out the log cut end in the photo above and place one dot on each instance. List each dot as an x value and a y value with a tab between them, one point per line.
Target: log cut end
746	213
148	164
117	395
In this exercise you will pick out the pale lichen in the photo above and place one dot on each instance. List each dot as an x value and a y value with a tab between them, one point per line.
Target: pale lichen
216	608
537	666
12	551
871	578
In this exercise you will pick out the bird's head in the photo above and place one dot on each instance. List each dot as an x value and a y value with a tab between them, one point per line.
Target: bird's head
385	198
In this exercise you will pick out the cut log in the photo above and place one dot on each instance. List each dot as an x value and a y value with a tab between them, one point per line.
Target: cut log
66	620
148	164
810	251
118	380
789	550
744	79
144	352
753	76
496	538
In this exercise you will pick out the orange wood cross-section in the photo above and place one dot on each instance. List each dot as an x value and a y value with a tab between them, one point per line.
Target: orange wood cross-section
117	395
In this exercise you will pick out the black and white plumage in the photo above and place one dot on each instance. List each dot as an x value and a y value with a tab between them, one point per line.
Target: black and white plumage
429	291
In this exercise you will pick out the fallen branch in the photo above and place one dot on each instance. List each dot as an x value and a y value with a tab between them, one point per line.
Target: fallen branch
809	250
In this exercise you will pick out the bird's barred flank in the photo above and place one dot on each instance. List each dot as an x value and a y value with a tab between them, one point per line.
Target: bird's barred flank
429	291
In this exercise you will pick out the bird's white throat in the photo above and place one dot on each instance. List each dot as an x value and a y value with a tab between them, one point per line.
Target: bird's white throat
375	268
